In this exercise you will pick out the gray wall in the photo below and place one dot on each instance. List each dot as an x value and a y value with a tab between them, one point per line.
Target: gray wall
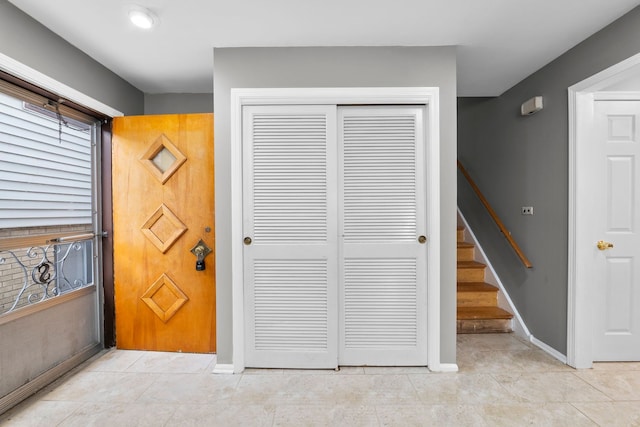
33	344
335	67
523	161
24	39
178	103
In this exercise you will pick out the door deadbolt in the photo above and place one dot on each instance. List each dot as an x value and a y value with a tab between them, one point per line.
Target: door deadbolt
200	250
247	241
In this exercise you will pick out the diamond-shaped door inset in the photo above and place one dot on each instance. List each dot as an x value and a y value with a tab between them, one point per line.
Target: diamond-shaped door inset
163	158
163	228
164	298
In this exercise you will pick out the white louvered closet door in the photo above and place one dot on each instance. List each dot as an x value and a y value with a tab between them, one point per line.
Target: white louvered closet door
382	216
290	206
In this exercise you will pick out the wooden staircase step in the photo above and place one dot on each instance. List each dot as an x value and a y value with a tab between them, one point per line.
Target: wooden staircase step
483	313
477	294
477	301
466	251
471	264
479	320
483	326
470	271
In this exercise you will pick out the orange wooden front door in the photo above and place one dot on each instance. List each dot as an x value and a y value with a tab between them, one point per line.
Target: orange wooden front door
163	204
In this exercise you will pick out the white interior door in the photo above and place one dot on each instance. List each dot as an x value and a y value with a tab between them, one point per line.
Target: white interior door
290	260
382	218
616	195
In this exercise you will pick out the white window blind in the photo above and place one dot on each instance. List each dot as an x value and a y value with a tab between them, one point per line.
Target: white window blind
45	175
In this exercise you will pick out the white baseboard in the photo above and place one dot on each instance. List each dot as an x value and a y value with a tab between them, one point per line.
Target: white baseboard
43	380
549	350
223	368
448	367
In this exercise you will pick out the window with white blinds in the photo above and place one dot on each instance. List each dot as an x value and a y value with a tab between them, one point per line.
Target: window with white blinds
45	166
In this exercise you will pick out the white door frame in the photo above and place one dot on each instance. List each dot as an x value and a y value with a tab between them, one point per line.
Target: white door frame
580	296
425	96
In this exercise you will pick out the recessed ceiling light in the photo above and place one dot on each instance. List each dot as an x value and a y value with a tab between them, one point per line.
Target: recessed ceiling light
142	18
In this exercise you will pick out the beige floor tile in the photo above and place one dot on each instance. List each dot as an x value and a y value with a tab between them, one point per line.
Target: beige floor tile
502	381
119	414
299	389
491	342
549	387
536	360
373	389
531	360
611	413
333	415
114	360
618	385
294	389
386	370
90	386
191	388
223	415
432	415
38	413
616	366
486	361
460	389
161	362
523	414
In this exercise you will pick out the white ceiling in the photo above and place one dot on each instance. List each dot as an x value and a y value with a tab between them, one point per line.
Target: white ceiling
500	42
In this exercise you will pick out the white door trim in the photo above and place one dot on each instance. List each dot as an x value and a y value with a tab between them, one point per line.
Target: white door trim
581	113
425	96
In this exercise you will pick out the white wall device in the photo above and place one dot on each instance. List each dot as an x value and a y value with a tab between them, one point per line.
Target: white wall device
531	106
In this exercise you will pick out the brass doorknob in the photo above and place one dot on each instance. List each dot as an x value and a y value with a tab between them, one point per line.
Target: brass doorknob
603	246
247	240
422	239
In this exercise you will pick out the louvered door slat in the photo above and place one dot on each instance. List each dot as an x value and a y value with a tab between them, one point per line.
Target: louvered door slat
290	269
379	170
380	303
289	178
290	305
383	272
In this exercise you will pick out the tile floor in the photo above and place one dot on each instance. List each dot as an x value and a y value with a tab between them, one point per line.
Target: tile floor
503	381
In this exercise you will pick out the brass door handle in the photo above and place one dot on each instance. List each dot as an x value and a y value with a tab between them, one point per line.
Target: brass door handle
603	246
247	241
422	239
